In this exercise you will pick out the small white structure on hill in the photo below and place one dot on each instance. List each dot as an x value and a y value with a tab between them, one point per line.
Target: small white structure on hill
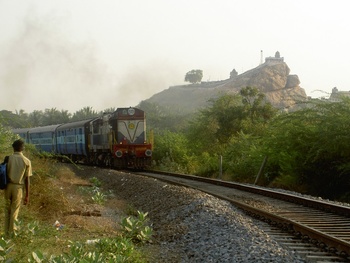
276	59
336	94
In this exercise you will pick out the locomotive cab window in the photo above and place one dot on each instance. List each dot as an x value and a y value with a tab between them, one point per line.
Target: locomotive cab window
96	126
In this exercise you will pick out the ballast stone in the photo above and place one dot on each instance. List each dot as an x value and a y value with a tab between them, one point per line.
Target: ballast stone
219	232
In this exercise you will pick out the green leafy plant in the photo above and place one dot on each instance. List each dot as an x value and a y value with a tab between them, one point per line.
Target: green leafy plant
5	248
31	228
99	198
95	181
120	249
77	254
107	250
136	228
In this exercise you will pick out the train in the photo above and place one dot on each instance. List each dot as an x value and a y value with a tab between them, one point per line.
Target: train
117	140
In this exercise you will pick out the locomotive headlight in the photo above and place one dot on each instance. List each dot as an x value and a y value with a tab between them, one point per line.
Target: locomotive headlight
119	153
131	111
148	152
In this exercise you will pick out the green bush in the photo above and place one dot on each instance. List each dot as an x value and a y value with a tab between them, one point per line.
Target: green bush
5	248
107	250
95	181
136	228
99	197
118	250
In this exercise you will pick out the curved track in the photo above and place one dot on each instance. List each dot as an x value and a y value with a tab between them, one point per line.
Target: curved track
318	230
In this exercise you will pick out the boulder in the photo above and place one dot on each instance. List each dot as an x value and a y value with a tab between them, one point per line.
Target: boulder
271	78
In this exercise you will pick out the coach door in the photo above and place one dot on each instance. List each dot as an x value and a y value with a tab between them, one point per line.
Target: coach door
79	141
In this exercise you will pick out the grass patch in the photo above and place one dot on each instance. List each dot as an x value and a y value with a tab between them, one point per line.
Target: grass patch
56	192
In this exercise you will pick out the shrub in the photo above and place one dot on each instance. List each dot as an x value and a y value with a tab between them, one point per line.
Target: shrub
136	228
5	248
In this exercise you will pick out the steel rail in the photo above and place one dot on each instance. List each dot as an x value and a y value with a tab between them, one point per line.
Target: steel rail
309	202
333	243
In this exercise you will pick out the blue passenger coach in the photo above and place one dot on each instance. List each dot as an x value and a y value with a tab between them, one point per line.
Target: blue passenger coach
23	133
72	138
44	138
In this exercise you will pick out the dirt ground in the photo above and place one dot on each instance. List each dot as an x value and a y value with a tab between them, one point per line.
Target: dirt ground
79	211
126	194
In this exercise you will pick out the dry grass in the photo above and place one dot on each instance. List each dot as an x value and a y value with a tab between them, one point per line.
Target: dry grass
56	195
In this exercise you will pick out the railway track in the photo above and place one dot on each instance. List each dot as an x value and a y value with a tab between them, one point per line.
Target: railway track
317	230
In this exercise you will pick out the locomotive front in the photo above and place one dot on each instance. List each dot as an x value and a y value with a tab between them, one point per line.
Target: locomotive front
130	147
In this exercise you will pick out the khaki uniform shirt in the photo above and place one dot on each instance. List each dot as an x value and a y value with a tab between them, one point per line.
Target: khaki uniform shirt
18	168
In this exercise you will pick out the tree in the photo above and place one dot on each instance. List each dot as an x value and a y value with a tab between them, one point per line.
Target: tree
312	147
170	151
255	108
18	120
84	113
54	116
215	125
65	116
194	76
6	138
228	116
162	118
36	118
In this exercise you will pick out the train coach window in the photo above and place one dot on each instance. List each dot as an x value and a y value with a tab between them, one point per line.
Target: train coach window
46	141
70	139
95	128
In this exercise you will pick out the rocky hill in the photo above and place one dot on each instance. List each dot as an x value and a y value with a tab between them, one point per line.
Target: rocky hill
272	78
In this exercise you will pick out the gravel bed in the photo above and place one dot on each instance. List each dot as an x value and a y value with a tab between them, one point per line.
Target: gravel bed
191	226
218	232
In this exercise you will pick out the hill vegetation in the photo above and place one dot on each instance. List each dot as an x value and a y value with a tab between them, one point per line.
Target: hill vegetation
271	78
307	150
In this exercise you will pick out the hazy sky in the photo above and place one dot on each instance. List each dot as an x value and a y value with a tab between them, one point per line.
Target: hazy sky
69	54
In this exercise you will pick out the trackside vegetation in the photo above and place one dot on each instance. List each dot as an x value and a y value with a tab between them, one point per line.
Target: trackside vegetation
40	239
306	150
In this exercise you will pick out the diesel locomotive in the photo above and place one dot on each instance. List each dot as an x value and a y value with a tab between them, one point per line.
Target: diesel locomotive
116	140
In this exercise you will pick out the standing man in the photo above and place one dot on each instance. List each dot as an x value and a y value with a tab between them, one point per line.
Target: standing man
19	169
